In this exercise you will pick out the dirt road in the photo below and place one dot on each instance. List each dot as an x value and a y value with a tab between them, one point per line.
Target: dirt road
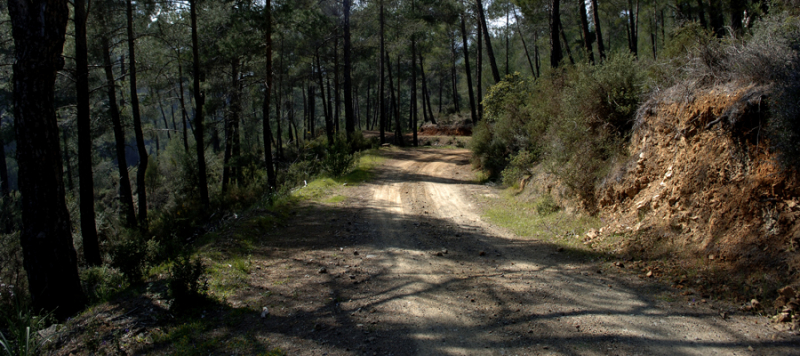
408	267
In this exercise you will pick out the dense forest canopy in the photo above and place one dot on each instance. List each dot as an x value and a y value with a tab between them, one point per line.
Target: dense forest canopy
159	114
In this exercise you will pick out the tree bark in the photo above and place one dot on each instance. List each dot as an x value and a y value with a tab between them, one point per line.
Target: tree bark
382	90
425	94
4	188
141	190
349	121
39	29
398	136
414	114
227	170
556	55
67	160
125	192
524	44
479	72
184	114
473	110
91	246
199	100
596	17
587	41
566	44
488	39
267	130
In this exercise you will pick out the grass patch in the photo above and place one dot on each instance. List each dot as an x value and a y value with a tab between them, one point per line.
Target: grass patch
541	219
324	188
335	199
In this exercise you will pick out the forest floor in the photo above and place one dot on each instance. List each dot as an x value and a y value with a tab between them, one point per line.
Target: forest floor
405	264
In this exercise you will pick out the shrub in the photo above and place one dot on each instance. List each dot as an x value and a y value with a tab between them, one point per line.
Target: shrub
186	283
545	205
23	326
102	282
338	159
132	254
518	167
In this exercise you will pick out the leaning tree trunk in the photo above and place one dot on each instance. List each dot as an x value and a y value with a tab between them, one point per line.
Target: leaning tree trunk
488	39
272	182
199	99
39	30
125	192
137	123
91	246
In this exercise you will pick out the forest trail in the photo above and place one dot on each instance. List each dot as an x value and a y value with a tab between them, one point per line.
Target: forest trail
427	276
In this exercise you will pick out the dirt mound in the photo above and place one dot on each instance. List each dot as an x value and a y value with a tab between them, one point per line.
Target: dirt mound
701	184
458	128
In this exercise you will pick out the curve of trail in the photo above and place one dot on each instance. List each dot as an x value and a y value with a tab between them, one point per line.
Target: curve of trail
455	285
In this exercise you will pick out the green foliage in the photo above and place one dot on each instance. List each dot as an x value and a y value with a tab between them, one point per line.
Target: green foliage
102	282
23	326
132	254
546	205
186	284
573	121
518	168
339	158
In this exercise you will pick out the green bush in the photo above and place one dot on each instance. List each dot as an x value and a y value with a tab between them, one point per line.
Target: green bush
338	159
546	205
102	282
518	167
132	254
186	284
23	326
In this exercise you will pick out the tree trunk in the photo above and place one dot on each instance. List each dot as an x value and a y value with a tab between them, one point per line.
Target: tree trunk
479	72
488	39
226	166
325	104
632	33
414	114
454	55
336	95
596	17
272	181
737	11
4	188
141	191
67	160
556	54
524	44
49	257
382	90
184	114
91	246
199	99
425	94
125	192
349	121
398	137
473	111
701	14
7	226
566	44
587	41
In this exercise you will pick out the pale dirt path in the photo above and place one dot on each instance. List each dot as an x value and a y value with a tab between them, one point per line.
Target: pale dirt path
429	288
